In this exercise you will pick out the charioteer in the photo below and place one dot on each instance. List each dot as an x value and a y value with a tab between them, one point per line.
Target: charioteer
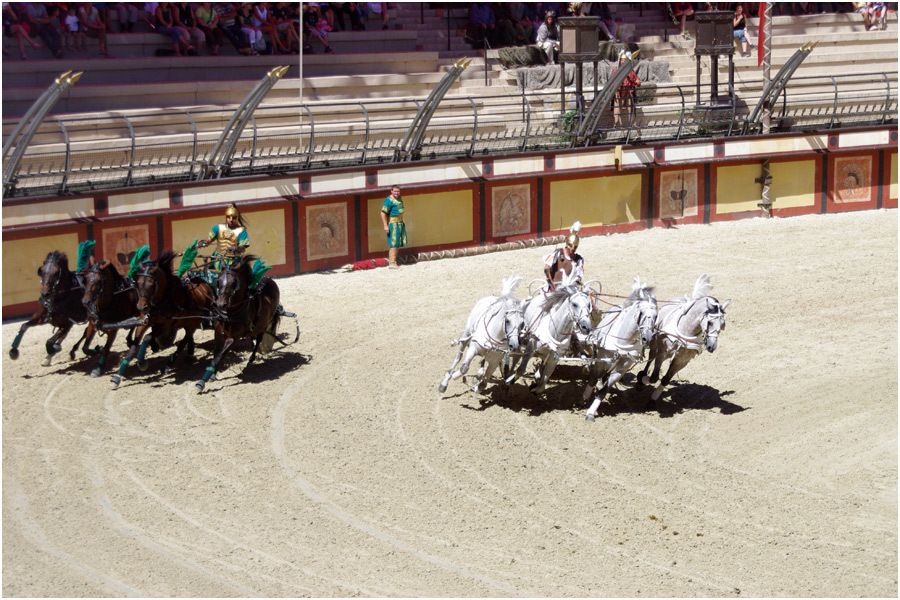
231	238
564	260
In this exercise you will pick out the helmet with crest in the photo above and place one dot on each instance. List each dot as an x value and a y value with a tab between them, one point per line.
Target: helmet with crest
572	239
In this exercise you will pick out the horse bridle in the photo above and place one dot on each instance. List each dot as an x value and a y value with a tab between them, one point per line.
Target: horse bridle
92	308
505	311
47	300
571	315
151	303
242	307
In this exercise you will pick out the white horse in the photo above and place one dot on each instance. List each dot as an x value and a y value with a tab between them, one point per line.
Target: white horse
618	342
684	328
550	321
492	330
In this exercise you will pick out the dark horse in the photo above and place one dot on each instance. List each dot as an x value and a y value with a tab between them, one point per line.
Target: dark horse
243	313
166	303
108	298
61	306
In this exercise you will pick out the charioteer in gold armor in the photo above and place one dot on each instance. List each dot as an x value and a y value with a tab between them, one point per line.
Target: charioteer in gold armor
231	238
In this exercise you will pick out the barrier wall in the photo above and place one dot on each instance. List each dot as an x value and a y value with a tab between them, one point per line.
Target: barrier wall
316	221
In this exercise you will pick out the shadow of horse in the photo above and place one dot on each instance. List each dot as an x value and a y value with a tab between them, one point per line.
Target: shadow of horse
567	396
82	364
274	365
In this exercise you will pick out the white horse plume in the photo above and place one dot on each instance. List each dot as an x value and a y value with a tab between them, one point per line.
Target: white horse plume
685	327
702	287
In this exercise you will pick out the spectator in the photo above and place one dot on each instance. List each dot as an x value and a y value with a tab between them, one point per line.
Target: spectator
187	22
377	8
739	27
165	24
875	16
128	16
73	31
94	26
208	22
608	26
524	31
265	21
228	25
150	14
327	12
13	25
624	98
505	34
35	15
311	18
548	36
681	10
286	17
482	25
352	11
244	19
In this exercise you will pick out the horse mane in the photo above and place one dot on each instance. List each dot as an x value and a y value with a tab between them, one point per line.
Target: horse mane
107	265
702	287
563	290
244	268
164	261
59	258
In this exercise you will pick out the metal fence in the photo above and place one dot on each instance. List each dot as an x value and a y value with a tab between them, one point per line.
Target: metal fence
120	150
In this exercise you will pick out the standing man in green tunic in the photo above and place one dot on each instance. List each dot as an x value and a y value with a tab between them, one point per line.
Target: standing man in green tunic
394	227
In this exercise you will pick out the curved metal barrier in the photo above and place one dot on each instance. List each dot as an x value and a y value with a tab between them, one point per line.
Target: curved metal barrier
130	148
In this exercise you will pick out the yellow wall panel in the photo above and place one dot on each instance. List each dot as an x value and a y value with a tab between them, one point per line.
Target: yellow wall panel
793	184
265	227
736	190
431	219
893	193
595	201
21	260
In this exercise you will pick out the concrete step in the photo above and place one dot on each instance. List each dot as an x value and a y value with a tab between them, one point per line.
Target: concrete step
84	98
315	65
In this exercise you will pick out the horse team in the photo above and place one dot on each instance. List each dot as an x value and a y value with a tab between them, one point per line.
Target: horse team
559	326
154	306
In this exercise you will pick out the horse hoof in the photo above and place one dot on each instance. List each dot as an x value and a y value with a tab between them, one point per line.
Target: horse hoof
115	380
142	366
199	385
14	354
442	388
95	372
589	417
72	355
46	362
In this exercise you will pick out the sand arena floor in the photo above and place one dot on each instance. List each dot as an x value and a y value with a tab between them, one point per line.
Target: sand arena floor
336	468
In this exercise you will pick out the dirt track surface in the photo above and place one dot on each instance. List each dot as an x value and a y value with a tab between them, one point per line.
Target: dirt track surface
769	470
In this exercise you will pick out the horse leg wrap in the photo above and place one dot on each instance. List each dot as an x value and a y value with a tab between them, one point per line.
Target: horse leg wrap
18	339
123	364
142	350
208	373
